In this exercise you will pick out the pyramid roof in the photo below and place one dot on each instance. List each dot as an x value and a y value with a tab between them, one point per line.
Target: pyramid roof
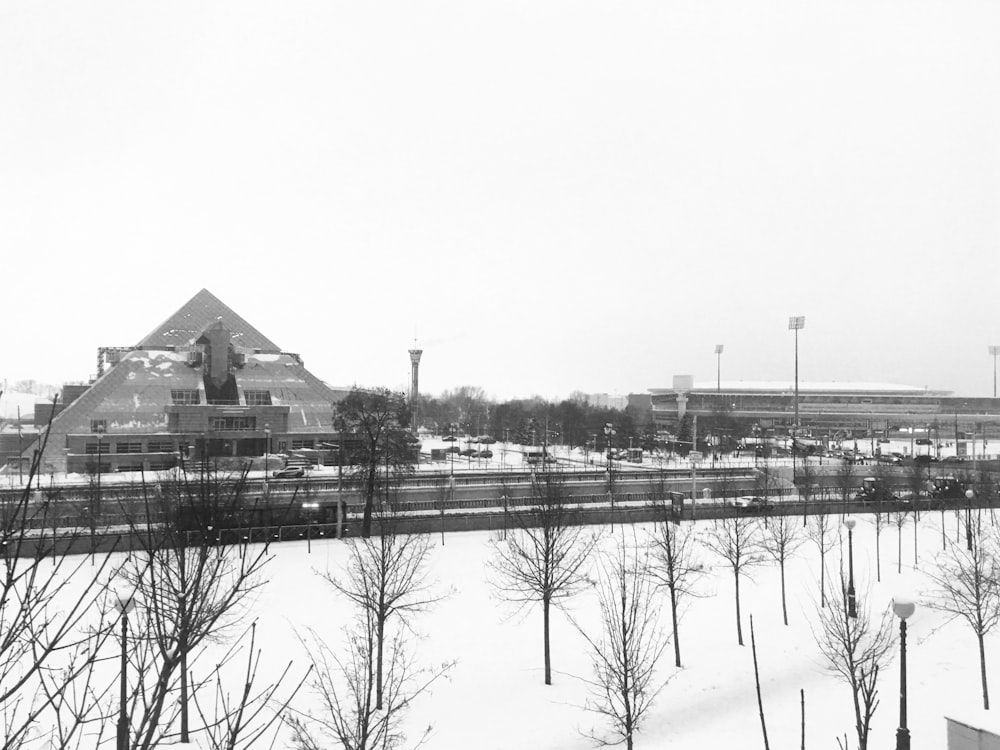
204	309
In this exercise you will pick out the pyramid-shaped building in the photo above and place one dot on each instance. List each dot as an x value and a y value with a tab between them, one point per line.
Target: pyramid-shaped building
204	383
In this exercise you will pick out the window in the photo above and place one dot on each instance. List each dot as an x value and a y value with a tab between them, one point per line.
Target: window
156	446
185	396
95	448
135	447
98	425
130	467
297	444
258	398
234	424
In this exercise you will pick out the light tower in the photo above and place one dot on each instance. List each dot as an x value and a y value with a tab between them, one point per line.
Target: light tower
796	323
414	386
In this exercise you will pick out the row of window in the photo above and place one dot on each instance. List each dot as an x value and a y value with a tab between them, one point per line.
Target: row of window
234	424
192	396
134	446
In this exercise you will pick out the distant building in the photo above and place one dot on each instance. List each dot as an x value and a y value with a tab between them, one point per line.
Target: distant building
205	383
606	401
831	408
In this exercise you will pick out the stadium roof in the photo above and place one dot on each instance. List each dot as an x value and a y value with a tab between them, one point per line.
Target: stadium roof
788	386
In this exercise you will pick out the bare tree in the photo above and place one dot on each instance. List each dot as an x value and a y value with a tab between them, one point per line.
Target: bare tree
49	640
806	483
898	519
781	540
626	653
345	687
856	649
879	525
767	482
386	576
189	588
738	542
820	533
377	420
846	480
238	723
673	565
967	586
545	558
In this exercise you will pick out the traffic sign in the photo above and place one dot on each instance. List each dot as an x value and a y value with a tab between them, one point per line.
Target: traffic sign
695	455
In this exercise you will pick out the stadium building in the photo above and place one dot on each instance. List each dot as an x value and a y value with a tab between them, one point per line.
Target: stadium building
205	383
829	410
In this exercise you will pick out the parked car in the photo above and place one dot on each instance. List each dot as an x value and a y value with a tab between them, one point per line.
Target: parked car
874	489
485	439
289	472
467	452
484	454
449	438
752	504
453	449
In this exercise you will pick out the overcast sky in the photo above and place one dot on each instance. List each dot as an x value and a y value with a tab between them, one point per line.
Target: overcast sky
550	196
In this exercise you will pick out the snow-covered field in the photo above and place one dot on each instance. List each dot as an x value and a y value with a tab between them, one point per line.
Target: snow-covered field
495	697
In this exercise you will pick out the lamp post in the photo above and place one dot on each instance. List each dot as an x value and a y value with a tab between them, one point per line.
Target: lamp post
969	495
718	368
852	607
124	605
994	350
796	323
609	431
903	608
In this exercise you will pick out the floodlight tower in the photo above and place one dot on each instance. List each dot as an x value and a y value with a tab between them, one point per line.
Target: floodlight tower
414	385
995	350
718	368
796	323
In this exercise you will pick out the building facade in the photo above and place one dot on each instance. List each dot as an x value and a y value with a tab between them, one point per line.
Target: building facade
205	383
834	410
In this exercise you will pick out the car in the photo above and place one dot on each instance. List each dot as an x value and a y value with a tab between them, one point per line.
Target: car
485	439
875	490
752	504
453	449
289	472
467	452
484	454
550	459
449	438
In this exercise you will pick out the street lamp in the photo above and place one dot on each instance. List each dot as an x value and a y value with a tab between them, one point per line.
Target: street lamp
903	608
852	607
124	604
796	324
969	495
994	350
718	368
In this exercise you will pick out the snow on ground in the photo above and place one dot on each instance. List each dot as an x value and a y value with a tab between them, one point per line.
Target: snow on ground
495	697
